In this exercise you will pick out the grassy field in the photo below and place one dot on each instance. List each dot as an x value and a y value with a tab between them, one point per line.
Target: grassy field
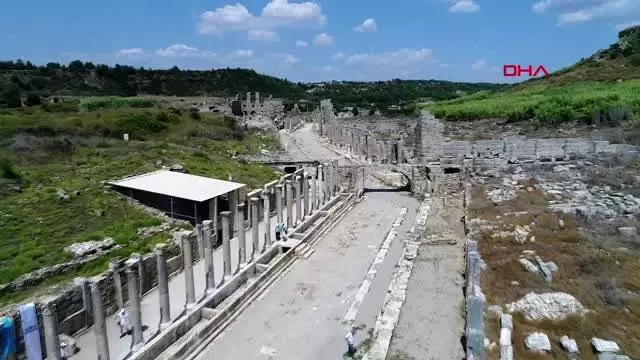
69	147
548	104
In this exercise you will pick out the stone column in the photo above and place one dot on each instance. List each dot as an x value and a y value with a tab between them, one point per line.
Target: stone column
279	203
255	227
187	259
115	268
289	190
233	210
50	325
226	245
327	183
135	312
320	185
305	194
102	341
267	220
199	236
242	238
210	280
298	201
163	285
83	284
314	191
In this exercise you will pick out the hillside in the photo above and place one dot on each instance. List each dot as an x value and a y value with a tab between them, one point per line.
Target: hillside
56	158
19	78
600	91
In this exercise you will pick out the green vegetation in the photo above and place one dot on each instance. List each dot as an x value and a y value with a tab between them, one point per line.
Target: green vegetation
43	152
601	90
22	79
608	103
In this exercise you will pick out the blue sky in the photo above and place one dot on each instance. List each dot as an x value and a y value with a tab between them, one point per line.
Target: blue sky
458	40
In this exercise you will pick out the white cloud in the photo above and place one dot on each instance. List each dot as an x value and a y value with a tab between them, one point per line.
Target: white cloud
240	54
338	56
367	25
580	11
182	50
131	52
621	27
464	6
262	35
323	39
479	65
301	43
402	57
276	14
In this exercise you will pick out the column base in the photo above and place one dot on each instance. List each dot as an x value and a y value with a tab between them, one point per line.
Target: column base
165	325
137	347
190	306
210	291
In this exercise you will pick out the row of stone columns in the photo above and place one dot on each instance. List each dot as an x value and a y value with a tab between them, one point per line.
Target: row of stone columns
309	189
366	146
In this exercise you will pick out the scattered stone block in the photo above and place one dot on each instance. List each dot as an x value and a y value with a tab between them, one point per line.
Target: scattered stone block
505	337
628	231
551	266
569	344
550	306
495	309
538	342
506	321
528	265
506	352
602	346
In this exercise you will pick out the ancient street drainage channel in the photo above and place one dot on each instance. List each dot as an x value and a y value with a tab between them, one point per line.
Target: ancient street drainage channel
190	334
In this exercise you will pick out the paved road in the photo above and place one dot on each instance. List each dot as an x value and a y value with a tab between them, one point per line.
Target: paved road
301	315
119	347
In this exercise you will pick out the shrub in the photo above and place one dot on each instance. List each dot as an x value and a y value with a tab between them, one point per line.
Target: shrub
33	100
7	170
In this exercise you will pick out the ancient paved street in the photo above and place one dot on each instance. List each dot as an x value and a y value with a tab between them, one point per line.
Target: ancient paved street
301	315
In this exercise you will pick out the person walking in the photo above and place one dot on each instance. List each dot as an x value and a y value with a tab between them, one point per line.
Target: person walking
279	231
123	322
351	348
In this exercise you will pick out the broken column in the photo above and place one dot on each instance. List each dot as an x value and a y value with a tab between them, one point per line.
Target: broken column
210	281
233	213
289	194
226	245
305	194
100	324
255	227
327	183
50	325
200	240
279	203
187	259
135	312
320	186
115	268
298	201
242	237
267	220
163	285
314	191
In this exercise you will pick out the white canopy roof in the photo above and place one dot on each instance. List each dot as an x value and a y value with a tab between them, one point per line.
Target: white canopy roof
179	185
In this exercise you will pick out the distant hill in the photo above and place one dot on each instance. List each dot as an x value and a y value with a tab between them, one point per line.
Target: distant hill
87	79
621	61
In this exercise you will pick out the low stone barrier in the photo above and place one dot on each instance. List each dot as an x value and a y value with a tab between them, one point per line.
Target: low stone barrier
474	298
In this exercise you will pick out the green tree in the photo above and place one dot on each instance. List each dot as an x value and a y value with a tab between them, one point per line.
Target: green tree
11	97
33	100
355	111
